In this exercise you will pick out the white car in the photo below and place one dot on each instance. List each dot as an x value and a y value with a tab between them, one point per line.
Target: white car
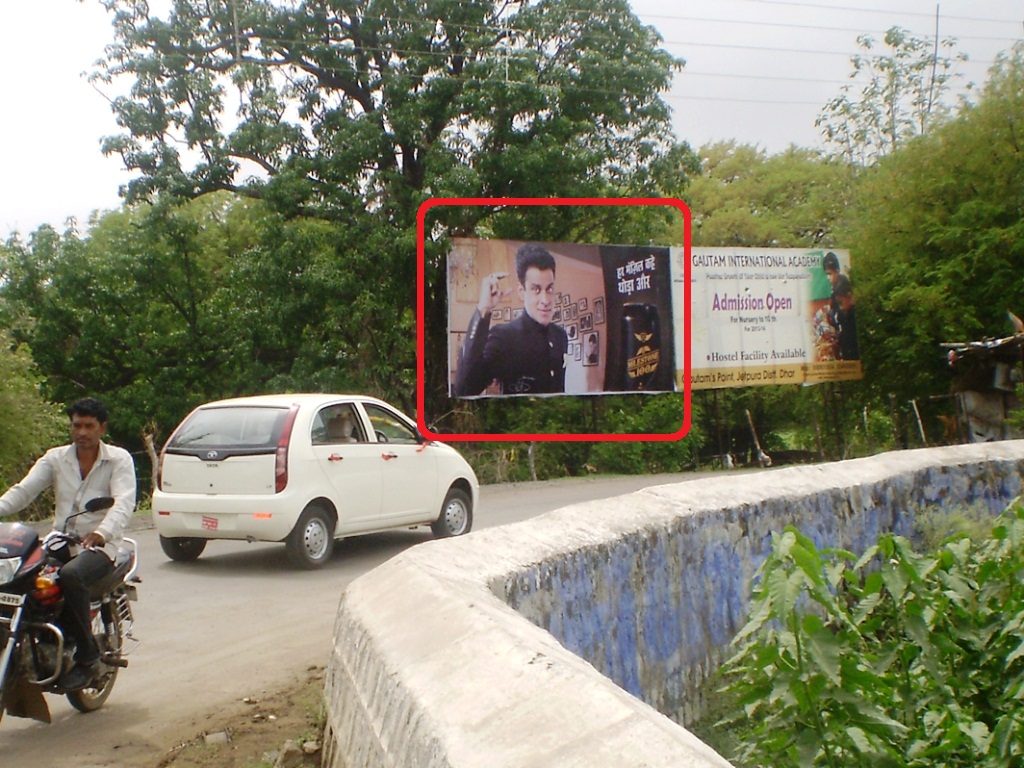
305	469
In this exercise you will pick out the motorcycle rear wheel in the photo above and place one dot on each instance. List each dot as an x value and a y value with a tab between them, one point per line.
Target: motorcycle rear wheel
91	699
108	635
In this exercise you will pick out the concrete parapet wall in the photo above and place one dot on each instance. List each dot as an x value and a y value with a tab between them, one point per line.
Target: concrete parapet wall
559	641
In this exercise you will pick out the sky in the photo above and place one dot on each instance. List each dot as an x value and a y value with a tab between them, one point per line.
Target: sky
757	71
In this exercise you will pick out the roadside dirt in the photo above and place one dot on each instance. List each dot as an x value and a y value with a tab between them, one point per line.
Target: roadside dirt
252	733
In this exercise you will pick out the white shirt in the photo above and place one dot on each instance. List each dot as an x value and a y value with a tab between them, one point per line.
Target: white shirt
113	474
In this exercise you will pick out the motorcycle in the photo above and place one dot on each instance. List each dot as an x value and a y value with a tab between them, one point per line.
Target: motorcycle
34	651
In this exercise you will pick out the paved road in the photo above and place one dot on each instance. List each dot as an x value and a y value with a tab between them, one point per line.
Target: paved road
238	622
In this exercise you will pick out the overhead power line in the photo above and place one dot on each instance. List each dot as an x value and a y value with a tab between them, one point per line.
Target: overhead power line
850	9
815	27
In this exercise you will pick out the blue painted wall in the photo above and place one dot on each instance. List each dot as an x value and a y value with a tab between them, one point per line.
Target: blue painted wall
655	609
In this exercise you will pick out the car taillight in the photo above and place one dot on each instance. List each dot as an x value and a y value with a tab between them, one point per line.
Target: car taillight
281	459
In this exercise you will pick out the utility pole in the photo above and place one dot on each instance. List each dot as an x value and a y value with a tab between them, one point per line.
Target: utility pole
935	62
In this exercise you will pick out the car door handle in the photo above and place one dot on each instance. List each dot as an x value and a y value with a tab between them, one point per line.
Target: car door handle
388	456
335	457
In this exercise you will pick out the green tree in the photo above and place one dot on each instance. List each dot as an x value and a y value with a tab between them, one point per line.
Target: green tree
745	197
121	314
357	111
31	424
158	309
891	97
937	231
614	414
344	105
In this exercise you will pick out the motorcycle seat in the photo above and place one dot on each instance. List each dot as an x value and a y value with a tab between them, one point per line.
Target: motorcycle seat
122	564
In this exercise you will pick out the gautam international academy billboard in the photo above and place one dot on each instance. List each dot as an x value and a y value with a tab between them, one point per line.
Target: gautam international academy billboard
768	316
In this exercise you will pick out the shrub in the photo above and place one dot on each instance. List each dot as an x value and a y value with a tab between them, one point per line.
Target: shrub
893	658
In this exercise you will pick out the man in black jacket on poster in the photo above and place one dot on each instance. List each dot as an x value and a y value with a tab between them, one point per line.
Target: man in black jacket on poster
527	355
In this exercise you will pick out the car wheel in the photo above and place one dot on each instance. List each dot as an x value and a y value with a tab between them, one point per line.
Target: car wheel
456	515
311	541
183	549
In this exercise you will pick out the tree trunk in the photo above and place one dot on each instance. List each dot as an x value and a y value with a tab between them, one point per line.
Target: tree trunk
154	457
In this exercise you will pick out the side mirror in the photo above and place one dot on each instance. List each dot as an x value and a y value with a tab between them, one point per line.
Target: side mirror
99	503
92	505
423	441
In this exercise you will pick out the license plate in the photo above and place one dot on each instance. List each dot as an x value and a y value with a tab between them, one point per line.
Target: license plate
210	523
8	599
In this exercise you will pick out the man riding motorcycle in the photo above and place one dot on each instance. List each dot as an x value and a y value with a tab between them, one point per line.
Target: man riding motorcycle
78	472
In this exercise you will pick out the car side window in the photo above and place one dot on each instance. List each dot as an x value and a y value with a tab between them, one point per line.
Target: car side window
337	424
387	427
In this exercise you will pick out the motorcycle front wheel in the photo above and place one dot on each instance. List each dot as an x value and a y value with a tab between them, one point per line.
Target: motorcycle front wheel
108	635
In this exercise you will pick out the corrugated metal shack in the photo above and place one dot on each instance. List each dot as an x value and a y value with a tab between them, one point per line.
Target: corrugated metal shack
985	378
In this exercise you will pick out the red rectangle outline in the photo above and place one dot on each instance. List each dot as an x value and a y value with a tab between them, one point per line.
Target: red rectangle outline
542	437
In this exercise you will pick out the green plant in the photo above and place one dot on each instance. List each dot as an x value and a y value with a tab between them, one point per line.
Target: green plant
893	658
1015	418
933	526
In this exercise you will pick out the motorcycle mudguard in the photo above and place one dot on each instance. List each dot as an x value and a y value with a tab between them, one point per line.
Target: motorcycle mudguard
27	700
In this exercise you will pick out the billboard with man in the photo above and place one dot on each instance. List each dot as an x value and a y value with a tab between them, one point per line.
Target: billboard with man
534	318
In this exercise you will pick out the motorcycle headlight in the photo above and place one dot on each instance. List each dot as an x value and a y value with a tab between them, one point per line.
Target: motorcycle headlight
9	567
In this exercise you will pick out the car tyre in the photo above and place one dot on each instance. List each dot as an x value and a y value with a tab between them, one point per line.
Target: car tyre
311	541
183	549
456	515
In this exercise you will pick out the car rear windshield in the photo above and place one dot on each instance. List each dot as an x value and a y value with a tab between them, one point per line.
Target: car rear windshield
231	428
